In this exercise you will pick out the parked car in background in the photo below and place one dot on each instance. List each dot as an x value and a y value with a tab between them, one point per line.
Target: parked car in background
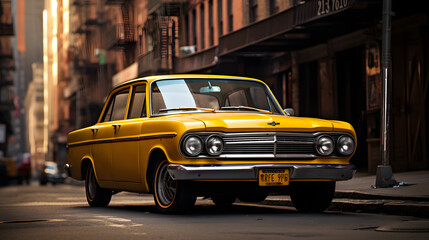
8	170
51	174
223	137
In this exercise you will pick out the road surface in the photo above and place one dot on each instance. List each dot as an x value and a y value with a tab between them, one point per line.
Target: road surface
61	212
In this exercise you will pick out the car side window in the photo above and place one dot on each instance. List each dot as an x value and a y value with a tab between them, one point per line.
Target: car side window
117	106
138	102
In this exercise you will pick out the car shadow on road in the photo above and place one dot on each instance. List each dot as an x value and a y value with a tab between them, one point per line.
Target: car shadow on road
199	209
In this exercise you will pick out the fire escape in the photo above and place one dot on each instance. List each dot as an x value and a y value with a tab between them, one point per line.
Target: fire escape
121	36
162	28
83	24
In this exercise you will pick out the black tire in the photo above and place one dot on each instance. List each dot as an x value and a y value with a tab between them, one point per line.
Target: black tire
171	196
223	200
253	197
96	195
312	197
43	182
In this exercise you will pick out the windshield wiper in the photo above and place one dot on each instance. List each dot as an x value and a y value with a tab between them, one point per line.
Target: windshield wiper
186	109
247	108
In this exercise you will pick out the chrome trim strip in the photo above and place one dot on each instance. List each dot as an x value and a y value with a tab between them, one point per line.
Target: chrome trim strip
250	142
256	156
123	139
250	172
295	142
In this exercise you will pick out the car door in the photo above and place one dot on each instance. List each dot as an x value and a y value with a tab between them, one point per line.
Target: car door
104	134
125	161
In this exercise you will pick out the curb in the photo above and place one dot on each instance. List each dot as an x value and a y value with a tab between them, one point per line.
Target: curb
366	204
391	207
362	195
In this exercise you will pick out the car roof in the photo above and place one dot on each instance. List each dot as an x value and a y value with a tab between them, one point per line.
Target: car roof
150	79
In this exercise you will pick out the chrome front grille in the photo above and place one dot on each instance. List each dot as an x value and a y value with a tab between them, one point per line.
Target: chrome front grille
249	148
284	148
275	144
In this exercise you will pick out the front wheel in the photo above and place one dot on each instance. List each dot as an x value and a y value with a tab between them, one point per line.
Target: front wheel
96	195
171	196
312	196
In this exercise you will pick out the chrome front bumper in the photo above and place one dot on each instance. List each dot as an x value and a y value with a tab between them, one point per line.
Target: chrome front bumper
250	172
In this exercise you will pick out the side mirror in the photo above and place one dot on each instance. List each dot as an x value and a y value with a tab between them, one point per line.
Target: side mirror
289	111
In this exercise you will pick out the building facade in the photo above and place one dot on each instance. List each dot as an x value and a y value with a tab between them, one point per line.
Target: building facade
34	105
7	67
321	57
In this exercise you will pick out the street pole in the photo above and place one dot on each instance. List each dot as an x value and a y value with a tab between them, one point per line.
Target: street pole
385	176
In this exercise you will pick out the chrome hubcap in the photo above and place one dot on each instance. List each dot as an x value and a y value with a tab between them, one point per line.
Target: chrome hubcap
166	186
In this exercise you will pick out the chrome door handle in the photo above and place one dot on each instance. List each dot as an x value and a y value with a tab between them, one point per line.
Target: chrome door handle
94	130
116	127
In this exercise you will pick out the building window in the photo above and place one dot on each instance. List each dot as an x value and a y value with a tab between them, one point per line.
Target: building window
186	31
253	11
211	23
140	43
220	17
194	27
202	25
149	42
274	7
230	17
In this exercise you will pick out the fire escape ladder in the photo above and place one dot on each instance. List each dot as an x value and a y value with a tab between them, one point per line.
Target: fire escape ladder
164	41
128	34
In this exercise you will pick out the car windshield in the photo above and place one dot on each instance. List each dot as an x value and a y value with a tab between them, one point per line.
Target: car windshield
211	95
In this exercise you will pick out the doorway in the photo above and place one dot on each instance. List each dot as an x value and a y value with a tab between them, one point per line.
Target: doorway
351	98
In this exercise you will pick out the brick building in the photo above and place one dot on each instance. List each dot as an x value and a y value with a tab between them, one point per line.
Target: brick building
7	67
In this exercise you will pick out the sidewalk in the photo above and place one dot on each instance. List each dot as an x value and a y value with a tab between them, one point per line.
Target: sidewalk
359	195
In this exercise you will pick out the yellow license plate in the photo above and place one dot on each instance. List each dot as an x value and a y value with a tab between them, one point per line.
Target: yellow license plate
273	177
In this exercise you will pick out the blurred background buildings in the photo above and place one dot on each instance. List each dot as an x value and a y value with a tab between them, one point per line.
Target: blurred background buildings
321	57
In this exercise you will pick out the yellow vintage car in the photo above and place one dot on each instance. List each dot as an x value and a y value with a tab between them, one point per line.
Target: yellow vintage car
222	137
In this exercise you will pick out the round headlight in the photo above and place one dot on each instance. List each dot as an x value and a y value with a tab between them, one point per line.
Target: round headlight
192	146
214	145
324	145
345	145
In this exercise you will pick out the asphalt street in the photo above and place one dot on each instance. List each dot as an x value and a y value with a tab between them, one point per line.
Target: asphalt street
61	212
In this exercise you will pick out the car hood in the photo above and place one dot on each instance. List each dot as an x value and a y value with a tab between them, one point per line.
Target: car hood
232	122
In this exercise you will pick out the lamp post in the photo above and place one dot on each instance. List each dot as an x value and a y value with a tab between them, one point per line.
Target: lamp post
384	177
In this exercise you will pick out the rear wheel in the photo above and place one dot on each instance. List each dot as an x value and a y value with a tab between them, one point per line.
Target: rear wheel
96	195
312	196
171	196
